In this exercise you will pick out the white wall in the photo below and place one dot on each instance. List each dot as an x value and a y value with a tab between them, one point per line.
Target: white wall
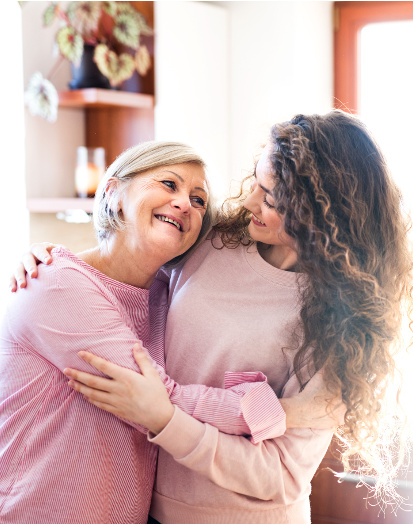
281	56
192	80
51	150
226	71
14	222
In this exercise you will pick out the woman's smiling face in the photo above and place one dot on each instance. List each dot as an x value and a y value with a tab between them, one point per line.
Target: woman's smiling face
267	226
163	210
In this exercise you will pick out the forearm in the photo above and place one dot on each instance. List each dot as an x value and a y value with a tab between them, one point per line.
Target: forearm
279	469
247	405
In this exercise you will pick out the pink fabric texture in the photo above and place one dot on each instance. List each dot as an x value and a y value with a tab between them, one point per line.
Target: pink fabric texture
245	314
63	460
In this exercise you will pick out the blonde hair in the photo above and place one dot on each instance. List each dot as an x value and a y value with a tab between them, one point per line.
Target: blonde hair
131	163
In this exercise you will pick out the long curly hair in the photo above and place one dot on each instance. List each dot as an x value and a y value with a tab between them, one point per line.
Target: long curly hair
345	214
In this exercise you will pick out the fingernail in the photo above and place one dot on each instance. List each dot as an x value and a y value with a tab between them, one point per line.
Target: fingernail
70	383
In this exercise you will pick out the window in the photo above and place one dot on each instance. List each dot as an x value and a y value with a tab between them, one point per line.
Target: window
374	79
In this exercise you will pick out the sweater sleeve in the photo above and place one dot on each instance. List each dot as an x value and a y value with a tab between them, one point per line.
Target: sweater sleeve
280	469
64	311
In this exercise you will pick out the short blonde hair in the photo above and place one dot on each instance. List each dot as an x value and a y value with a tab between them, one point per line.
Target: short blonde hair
134	162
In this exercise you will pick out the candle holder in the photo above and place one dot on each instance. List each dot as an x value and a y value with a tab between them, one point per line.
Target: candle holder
90	168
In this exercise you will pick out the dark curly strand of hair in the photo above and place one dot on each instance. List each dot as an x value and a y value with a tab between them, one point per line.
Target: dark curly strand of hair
343	210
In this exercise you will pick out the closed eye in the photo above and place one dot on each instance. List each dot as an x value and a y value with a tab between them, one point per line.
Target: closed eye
266	203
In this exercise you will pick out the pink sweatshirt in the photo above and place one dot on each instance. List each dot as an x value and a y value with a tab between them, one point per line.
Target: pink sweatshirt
230	310
62	460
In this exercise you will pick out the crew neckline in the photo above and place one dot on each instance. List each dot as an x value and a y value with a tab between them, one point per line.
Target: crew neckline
269	272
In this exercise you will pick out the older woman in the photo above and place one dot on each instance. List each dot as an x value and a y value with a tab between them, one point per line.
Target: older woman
63	460
322	285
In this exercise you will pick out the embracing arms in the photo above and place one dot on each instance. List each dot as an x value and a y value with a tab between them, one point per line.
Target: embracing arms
65	311
308	409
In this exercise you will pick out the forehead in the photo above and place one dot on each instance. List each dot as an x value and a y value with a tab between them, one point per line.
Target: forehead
184	172
264	167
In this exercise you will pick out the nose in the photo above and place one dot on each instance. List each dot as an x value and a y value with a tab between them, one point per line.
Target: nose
182	202
251	200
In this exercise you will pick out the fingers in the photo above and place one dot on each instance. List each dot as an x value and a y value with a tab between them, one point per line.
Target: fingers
99	399
13	285
92	381
20	276
108	368
95	394
143	361
41	252
29	264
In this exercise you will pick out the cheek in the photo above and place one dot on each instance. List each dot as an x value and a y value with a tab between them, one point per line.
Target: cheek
272	219
196	226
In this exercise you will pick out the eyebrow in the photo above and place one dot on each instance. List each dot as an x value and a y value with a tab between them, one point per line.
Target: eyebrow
182	180
265	189
261	186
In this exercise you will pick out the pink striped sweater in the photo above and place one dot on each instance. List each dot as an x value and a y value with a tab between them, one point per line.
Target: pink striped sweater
63	460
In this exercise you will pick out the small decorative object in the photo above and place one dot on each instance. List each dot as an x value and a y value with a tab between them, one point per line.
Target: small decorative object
41	97
105	35
90	168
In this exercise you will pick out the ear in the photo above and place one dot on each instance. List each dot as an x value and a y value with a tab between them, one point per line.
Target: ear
111	190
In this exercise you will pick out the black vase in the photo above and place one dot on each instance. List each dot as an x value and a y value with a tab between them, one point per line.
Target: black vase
87	73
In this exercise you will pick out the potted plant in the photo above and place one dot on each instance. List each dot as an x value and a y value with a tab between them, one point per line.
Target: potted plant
102	42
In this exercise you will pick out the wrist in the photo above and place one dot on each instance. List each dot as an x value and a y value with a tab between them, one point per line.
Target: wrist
163	419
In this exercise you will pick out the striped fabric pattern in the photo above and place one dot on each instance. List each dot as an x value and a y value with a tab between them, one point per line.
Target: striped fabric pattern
63	460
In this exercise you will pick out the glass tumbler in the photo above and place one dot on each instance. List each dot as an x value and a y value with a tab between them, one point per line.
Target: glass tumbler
90	168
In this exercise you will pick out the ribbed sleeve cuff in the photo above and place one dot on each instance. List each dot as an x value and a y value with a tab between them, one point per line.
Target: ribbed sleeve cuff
260	406
263	413
180	436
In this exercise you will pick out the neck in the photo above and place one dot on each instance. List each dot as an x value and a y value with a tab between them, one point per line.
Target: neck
122	263
281	257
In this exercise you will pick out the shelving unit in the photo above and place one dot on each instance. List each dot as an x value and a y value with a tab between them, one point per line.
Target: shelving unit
115	120
55	205
107	98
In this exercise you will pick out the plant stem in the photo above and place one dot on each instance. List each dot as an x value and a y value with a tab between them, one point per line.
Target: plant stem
55	67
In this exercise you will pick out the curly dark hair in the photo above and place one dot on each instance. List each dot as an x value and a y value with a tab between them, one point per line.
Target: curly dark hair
344	212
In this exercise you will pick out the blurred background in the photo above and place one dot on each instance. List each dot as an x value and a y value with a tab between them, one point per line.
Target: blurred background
220	74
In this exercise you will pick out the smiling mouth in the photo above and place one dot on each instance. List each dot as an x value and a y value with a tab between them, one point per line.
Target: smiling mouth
257	219
163	218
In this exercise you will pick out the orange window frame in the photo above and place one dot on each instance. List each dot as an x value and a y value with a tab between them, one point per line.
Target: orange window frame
349	19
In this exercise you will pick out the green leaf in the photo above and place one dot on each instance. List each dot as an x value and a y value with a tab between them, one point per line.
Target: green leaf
126	30
70	44
110	8
116	68
50	14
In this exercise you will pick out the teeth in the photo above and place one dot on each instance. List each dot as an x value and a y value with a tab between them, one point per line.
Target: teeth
258	220
166	219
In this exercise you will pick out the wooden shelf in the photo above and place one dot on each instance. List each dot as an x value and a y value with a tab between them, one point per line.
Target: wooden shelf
92	97
56	205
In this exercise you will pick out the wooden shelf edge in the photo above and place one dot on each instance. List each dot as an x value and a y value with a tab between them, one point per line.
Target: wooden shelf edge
55	205
93	97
